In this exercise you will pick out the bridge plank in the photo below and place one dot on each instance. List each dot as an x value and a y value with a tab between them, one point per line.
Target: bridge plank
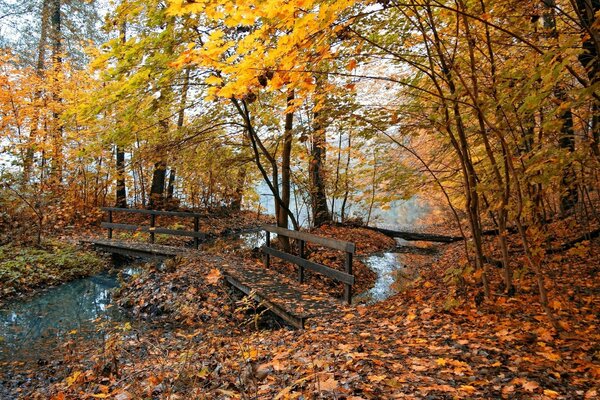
136	249
293	302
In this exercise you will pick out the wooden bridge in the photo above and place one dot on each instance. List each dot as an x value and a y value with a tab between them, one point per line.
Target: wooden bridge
293	301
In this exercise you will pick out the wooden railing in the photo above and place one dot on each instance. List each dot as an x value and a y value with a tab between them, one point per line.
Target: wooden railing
152	228
345	276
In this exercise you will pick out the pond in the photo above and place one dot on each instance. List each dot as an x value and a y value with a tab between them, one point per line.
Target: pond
34	332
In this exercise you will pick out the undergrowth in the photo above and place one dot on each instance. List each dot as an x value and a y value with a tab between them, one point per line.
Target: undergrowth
25	269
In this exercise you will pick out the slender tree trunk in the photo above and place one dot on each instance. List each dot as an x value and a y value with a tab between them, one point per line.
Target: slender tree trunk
459	142
569	193
121	188
39	69
346	181
121	195
238	195
282	216
171	184
180	121
337	177
256	145
373	187
590	60
320	209
56	170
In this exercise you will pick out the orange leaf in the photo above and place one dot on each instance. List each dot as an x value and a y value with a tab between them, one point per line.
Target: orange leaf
213	276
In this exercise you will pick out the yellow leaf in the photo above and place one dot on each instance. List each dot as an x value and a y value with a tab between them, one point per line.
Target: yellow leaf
251	354
551	356
213	80
551	393
73	378
467	388
376	378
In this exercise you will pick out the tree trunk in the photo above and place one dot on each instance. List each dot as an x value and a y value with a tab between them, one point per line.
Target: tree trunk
569	194
121	188
282	216
180	120
590	60
171	184
346	181
56	170
157	189
320	210
39	69
121	200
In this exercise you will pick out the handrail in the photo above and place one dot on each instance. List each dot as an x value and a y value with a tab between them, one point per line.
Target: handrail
349	248
152	229
153	212
309	237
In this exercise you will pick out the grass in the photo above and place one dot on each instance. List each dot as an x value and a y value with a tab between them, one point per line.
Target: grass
26	269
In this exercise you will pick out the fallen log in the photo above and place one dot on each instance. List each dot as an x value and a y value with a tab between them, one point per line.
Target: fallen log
566	246
420	237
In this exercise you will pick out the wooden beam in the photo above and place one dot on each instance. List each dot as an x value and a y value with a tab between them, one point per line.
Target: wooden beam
323	269
308	237
153	212
145	228
415	236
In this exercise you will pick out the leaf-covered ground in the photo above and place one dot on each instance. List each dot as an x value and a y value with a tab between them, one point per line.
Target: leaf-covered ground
24	270
430	341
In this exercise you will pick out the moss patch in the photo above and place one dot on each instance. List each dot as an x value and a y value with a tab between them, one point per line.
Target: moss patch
25	269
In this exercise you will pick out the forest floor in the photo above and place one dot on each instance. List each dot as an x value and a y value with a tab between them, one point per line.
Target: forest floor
434	340
25	270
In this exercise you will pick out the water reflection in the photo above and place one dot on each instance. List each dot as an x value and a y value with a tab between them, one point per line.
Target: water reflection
34	328
237	241
385	266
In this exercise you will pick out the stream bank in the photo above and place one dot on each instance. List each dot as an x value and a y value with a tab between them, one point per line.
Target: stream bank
62	326
26	270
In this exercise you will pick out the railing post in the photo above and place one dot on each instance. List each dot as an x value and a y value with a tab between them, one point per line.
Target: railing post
300	268
268	244
348	287
110	220
152	225
196	230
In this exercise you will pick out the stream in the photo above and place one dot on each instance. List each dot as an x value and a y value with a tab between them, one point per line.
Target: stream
38	333
34	332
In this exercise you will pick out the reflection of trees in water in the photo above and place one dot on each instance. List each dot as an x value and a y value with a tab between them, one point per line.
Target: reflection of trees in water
34	327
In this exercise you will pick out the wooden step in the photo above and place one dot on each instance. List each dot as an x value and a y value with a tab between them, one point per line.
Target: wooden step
292	301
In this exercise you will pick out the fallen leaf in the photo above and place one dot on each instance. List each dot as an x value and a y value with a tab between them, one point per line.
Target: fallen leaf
530	386
213	276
